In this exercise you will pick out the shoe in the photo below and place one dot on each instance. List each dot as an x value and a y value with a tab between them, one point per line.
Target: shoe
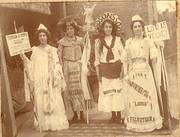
75	117
118	118
82	120
113	118
122	121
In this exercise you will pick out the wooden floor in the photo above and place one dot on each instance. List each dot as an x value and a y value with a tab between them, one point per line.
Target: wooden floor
100	129
98	126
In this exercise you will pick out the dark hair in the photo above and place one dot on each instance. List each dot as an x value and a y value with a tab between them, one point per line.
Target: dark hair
101	29
140	21
76	28
102	34
44	31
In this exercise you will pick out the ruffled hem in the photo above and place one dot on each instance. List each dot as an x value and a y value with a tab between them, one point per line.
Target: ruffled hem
109	103
145	127
53	127
52	123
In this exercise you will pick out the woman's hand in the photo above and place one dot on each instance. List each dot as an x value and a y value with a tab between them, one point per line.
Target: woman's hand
23	57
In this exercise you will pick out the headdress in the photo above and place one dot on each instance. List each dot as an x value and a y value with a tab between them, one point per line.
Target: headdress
41	26
109	16
137	18
70	20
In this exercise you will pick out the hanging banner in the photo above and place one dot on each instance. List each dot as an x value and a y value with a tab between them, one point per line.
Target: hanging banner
158	32
17	43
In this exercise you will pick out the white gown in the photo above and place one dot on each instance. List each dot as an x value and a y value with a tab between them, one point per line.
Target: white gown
49	111
143	113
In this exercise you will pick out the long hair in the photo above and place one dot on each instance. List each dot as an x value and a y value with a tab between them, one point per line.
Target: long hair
101	29
102	33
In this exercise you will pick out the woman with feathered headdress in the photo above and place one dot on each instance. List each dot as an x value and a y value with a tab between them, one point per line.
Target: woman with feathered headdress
108	61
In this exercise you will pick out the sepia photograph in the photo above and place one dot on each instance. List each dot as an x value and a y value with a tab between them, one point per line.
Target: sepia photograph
89	68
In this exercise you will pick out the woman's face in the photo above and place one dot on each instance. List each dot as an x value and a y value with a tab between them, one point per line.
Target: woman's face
70	31
43	38
108	28
137	28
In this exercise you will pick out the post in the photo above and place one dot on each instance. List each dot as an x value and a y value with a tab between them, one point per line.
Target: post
0	100
165	94
152	11
64	9
8	119
178	52
87	114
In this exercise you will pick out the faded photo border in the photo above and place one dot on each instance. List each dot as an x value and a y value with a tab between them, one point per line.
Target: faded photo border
177	132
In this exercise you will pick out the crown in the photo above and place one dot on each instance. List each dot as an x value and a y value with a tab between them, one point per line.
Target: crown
41	26
137	17
109	16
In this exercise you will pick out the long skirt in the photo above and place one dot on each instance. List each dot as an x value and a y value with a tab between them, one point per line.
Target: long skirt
111	97
74	98
143	114
49	111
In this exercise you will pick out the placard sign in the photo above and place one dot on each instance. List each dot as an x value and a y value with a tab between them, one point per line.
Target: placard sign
158	32
18	42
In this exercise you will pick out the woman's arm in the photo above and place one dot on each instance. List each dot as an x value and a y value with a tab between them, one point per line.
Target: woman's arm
28	68
153	57
60	52
24	59
121	52
126	60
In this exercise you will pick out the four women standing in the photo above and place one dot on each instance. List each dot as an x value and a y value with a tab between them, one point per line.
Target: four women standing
111	61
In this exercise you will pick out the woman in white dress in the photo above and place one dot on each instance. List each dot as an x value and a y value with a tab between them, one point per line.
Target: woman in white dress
47	81
108	61
143	108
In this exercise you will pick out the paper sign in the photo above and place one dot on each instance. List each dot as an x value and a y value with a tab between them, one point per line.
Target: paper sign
17	43
158	32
